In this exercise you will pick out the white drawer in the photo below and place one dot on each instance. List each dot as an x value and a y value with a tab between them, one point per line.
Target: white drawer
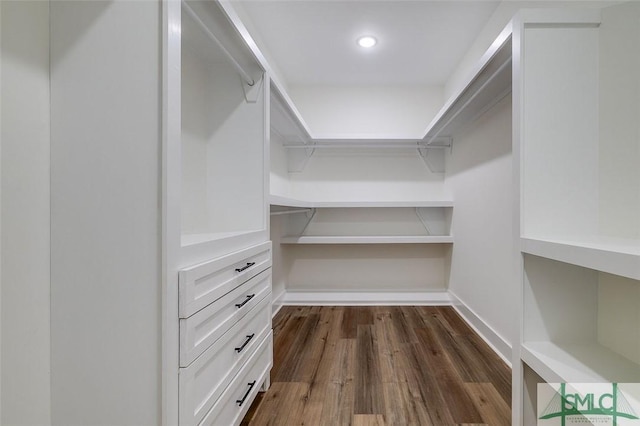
203	328
202	382
236	400
204	283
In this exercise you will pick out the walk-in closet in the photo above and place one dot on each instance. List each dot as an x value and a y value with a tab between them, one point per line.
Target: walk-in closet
239	212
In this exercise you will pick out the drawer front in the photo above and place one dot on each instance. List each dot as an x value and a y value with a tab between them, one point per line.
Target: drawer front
203	328
202	284
236	400
202	383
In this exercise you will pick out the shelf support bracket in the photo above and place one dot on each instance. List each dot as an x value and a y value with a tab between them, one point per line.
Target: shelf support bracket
297	159
252	91
433	154
310	215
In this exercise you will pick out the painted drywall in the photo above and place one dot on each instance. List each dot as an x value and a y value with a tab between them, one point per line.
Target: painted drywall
26	397
479	177
105	217
338	268
360	175
379	112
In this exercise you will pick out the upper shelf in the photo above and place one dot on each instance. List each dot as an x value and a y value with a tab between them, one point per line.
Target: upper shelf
276	200
488	83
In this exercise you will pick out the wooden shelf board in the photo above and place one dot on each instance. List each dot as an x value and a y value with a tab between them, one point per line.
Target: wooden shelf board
578	363
614	256
368	239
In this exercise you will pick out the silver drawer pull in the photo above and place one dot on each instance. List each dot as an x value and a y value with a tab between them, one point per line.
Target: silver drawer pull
241	401
249	297
246	342
247	266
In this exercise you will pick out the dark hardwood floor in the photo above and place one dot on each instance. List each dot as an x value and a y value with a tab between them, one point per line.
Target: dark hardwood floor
381	365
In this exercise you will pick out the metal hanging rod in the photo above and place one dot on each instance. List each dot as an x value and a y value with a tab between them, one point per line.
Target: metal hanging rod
291	212
245	75
489	80
403	145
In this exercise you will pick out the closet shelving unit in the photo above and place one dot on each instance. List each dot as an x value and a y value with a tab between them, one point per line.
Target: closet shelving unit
490	83
217	218
579	238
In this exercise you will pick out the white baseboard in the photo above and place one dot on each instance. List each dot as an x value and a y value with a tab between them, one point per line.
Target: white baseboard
488	334
356	298
277	302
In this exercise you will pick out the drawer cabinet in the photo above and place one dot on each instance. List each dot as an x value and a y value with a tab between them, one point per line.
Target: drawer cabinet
204	327
202	284
225	336
202	382
235	402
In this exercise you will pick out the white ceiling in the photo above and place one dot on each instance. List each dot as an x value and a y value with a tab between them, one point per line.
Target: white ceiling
313	42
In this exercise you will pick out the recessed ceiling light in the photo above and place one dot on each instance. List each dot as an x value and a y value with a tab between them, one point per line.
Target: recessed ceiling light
367	41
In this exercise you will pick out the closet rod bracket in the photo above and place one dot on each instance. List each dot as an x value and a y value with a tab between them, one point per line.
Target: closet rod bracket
252	90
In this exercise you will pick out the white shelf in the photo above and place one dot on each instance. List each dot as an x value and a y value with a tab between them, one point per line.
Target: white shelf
578	363
191	239
489	82
614	256
276	200
368	239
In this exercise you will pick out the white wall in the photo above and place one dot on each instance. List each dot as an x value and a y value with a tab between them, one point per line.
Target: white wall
479	177
26	397
105	217
393	268
382	175
400	112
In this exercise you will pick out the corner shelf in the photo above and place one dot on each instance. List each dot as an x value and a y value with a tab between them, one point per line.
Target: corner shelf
578	363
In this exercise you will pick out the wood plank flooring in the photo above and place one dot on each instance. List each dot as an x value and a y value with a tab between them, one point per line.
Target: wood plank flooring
381	365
